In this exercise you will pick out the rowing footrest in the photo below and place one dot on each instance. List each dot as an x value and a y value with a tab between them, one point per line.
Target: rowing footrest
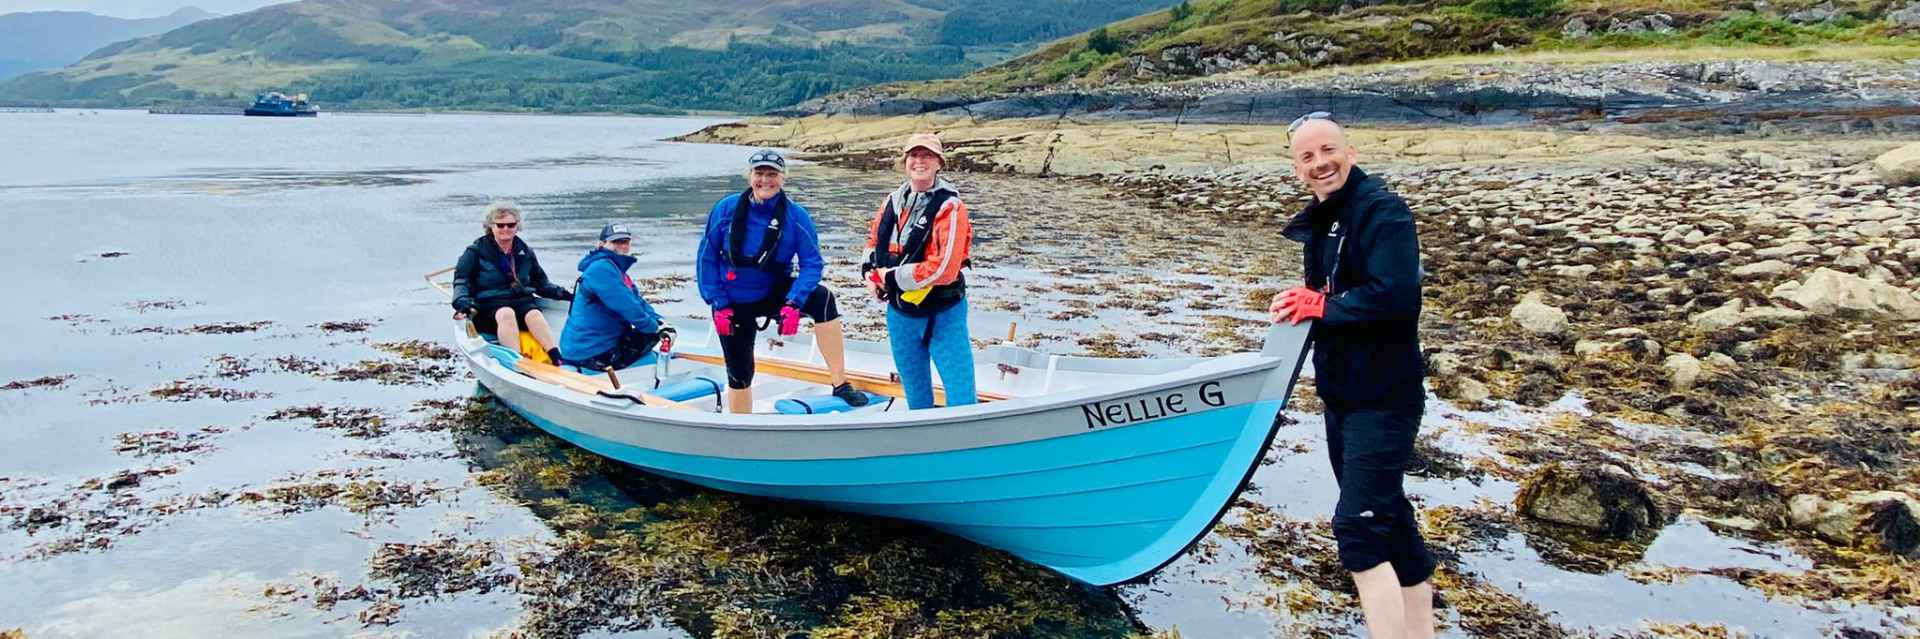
691	388
821	404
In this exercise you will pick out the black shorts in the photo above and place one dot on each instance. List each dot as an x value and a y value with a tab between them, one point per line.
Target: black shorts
1374	523
633	345
483	315
738	347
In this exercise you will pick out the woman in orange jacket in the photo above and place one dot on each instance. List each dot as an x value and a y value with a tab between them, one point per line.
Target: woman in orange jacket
917	244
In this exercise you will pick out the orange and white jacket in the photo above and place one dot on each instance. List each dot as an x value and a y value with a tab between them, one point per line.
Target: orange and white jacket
949	237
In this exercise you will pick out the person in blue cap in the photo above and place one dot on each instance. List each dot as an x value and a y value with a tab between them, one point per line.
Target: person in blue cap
611	325
760	258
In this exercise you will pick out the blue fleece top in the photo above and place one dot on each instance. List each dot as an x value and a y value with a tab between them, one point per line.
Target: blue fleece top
798	243
604	306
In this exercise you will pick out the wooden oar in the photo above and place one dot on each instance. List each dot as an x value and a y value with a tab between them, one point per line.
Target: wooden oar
437	285
591	385
869	382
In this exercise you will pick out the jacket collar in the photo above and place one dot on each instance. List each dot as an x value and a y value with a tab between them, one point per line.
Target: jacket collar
900	195
621	262
1301	227
492	249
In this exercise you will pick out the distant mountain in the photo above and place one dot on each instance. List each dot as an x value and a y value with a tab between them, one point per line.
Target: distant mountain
41	40
563	55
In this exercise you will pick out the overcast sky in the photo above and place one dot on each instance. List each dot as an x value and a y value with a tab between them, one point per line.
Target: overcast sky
133	8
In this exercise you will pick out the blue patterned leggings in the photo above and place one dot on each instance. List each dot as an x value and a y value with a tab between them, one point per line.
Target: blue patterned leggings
945	343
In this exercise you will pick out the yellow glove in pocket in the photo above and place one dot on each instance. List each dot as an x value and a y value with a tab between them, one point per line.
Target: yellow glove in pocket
916	296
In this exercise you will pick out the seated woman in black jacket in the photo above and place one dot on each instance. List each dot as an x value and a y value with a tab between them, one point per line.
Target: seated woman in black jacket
497	279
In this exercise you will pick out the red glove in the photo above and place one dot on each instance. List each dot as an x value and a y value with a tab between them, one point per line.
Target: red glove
789	320
723	321
1302	304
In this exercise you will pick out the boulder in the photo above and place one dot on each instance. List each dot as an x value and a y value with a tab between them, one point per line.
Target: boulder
1533	314
1823	12
1723	317
1683	370
1763	269
1908	17
1828	291
1887	519
1576	28
1602	498
1465	390
1901	166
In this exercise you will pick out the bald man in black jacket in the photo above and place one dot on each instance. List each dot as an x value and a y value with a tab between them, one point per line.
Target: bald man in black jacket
1363	291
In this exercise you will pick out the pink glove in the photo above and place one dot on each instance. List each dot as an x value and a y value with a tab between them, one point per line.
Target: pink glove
723	321
789	320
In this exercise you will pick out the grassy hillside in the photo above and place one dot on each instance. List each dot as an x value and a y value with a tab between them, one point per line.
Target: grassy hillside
1206	37
600	55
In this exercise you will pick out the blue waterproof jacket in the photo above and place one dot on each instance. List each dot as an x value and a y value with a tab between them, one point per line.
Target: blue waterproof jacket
605	304
799	242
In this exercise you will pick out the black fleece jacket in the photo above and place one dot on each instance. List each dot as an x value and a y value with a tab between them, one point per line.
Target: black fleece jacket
1361	247
480	277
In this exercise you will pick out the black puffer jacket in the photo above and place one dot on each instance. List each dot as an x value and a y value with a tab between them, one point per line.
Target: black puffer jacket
481	276
1367	349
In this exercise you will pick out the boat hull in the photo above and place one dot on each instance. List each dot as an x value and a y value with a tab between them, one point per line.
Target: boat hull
1104	482
1103	507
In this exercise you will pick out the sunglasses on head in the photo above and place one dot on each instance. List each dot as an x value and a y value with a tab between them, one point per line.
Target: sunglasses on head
506	225
1302	120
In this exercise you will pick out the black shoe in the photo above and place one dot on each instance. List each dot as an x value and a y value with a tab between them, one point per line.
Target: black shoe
554	354
852	396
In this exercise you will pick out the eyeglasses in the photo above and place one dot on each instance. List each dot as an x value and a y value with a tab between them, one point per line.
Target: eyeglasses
505	225
1302	120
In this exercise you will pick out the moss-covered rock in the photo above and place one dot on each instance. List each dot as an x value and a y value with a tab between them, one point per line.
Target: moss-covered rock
1601	497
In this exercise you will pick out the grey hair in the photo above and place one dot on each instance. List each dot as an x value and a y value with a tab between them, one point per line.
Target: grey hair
496	209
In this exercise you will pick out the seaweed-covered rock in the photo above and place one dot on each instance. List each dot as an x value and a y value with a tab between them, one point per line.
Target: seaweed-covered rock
1601	497
1887	519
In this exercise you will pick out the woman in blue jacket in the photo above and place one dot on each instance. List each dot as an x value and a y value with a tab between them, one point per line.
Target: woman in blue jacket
748	257
611	325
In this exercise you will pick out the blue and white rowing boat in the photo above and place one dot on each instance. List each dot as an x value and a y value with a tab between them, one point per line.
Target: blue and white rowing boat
1101	469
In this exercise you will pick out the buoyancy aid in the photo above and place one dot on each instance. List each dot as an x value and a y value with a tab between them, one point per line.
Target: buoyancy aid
913	247
733	251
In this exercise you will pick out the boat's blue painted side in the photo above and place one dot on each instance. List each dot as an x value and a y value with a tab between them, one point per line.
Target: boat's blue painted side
1103	507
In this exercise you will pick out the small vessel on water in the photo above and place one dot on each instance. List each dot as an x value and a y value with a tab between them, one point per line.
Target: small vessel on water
1103	470
281	105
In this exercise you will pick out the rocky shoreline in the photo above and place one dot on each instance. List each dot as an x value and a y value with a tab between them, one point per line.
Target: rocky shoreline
1737	321
1723	97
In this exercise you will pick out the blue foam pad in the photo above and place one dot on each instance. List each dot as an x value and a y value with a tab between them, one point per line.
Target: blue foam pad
506	356
690	388
821	404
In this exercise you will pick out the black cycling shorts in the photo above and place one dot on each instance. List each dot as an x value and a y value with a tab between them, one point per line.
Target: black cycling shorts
738	347
483	315
633	345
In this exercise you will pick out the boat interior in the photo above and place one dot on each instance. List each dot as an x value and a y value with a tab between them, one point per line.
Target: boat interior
791	375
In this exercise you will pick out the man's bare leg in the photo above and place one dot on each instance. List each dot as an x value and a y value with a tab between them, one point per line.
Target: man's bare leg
1417	603
1381	602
